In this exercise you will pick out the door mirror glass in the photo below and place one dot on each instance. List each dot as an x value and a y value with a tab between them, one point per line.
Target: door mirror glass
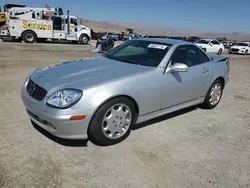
179	67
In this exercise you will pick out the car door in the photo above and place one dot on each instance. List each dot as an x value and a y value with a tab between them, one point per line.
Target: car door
181	87
209	47
215	46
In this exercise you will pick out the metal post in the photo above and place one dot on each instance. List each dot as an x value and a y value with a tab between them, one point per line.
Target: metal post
68	23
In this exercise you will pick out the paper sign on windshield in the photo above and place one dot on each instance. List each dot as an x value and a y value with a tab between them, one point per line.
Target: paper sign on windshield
157	46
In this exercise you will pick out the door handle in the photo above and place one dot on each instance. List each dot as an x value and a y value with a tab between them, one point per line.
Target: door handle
204	70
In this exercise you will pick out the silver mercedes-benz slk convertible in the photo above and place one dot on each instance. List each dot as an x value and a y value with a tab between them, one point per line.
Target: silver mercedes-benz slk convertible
102	97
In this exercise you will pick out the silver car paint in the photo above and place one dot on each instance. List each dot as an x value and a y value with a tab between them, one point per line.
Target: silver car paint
154	90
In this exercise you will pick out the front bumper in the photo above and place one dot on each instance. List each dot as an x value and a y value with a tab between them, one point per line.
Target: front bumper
237	52
53	121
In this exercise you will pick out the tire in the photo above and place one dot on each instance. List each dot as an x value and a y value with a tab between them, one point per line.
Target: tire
104	131
246	52
204	49
29	37
84	39
208	103
219	52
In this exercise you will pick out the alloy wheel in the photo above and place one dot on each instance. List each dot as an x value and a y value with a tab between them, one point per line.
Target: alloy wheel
116	121
215	94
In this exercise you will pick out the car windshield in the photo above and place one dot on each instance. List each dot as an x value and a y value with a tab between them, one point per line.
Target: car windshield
241	44
203	41
139	52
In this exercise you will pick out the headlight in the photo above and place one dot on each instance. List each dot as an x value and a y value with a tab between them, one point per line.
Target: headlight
64	98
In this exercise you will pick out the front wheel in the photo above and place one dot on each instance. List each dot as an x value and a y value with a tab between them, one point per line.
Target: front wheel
112	122
246	52
219	52
213	95
84	39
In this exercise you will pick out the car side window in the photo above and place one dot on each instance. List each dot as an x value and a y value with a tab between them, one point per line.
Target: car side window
189	55
215	42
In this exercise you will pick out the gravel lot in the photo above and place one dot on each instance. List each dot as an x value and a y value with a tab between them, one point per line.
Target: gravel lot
191	148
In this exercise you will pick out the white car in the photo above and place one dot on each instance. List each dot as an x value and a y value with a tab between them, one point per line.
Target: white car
211	46
240	48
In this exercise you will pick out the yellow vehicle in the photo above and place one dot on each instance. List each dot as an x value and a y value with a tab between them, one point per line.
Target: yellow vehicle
128	31
2	17
5	9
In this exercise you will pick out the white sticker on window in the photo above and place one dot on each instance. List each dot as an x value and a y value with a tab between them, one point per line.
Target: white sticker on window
157	46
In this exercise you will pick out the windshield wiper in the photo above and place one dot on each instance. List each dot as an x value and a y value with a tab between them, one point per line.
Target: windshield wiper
107	56
122	60
126	61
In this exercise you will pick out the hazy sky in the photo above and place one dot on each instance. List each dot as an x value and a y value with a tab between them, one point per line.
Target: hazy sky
210	15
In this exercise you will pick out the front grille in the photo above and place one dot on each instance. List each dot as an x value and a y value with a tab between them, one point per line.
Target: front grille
35	91
234	50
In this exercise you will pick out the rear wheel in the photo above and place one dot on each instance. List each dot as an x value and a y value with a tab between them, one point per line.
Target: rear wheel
29	37
219	52
112	122
213	95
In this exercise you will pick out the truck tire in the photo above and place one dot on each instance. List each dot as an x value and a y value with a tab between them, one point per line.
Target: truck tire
29	37
84	39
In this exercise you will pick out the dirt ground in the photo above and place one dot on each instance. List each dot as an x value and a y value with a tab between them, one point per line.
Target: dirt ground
192	148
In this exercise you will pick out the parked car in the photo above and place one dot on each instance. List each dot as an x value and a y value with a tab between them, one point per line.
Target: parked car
178	38
120	36
96	35
240	48
112	36
227	44
193	39
102	97
133	36
211	46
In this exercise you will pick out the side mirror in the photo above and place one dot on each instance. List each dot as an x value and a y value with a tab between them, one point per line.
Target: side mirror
210	44
178	67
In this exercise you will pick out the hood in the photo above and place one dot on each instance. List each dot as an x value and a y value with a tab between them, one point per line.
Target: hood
84	73
239	47
201	44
